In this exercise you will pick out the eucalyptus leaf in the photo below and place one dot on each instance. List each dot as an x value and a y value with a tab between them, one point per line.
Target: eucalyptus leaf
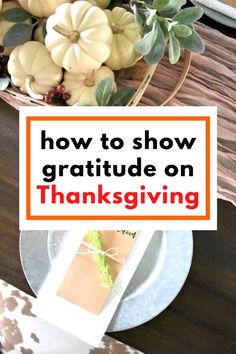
104	91
160	4
174	48
193	43
172	8
121	97
16	14
164	26
137	16
182	31
158	49
151	17
189	15
4	83
17	34
146	43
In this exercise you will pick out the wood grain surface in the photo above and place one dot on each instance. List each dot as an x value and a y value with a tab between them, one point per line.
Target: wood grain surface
201	320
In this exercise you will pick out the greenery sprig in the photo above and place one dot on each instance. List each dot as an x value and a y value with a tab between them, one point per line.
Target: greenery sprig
164	22
106	97
94	238
20	32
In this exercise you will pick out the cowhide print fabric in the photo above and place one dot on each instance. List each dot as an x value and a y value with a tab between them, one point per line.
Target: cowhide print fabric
21	332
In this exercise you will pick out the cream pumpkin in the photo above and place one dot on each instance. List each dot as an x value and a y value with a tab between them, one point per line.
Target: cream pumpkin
39	31
32	69
82	88
5	26
125	34
100	3
41	8
79	37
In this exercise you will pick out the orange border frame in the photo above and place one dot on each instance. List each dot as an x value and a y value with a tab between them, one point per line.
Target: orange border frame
114	217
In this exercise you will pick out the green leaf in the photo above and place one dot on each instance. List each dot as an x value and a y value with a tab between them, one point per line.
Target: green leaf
182	31
17	34
174	48
160	4
4	82
104	91
121	97
189	15
193	43
137	16
164	27
16	14
146	43
172	8
158	49
151	17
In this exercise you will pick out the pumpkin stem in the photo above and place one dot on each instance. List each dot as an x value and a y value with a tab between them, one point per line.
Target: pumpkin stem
89	80
28	81
73	36
116	28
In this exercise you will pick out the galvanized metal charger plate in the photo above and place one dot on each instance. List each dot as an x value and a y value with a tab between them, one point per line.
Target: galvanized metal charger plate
156	282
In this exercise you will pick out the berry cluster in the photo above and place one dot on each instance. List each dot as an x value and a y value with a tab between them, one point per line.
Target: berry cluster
3	61
56	93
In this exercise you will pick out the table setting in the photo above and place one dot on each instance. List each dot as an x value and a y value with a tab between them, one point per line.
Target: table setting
181	293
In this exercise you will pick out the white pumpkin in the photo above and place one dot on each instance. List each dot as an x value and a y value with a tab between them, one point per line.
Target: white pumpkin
32	69
125	34
41	8
82	88
5	26
79	37
0	5
100	3
39	31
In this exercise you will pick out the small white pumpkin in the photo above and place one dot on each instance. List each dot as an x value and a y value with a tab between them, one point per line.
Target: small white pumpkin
79	37
82	88
41	8
5	25
32	69
125	34
39	31
103	4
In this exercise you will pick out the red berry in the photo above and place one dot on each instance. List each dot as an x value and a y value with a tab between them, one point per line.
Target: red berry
47	99
50	94
60	88
66	96
52	90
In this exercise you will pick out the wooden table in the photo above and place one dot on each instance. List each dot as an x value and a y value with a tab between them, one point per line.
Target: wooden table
201	319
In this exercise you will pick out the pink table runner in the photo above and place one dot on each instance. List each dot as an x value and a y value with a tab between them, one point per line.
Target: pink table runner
211	81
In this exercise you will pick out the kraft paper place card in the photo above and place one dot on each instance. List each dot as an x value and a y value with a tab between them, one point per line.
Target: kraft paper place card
88	279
